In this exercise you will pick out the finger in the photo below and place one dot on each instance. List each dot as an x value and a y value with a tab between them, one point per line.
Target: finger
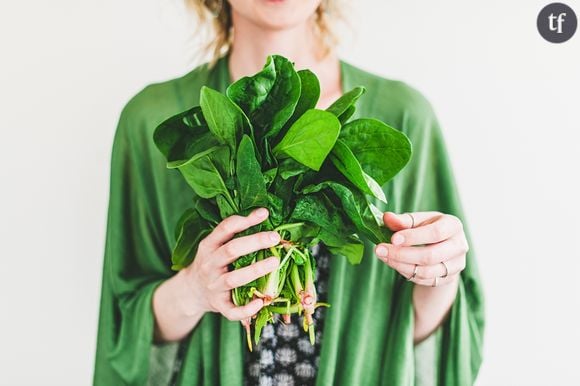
233	312
440	281
424	255
239	277
440	229
397	222
241	246
427	272
228	228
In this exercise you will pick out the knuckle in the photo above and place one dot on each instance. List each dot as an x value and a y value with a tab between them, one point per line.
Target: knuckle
229	224
230	280
465	245
436	232
428	257
202	246
212	285
204	267
461	245
229	250
458	224
423	272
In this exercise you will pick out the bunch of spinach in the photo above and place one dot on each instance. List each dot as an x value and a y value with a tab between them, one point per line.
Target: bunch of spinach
264	144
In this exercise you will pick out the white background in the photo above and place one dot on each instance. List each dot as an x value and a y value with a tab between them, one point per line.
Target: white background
508	102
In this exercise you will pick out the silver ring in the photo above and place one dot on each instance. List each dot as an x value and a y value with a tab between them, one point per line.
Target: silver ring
412	220
446	270
436	282
414	274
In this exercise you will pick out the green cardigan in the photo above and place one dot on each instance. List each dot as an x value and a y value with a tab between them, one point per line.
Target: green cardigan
368	332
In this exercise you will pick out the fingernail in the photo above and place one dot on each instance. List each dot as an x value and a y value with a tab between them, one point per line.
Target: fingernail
261	212
274	236
382	251
397	239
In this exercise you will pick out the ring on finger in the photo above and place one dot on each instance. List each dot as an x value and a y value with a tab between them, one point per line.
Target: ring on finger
446	270
412	220
414	273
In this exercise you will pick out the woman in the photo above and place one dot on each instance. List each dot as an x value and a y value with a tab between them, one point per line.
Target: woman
418	297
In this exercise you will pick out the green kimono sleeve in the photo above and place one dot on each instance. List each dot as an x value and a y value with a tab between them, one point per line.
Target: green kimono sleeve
135	261
453	354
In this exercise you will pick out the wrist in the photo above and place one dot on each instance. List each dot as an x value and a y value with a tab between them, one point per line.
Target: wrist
189	296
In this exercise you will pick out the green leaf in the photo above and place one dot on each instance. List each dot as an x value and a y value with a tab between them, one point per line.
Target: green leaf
309	95
269	176
304	233
318	209
224	119
205	174
276	208
343	104
310	138
179	227
269	97
347	114
205	144
381	150
268	158
183	136
289	167
345	161
375	188
352	249
192	228
357	208
264	316
225	206
207	210
251	183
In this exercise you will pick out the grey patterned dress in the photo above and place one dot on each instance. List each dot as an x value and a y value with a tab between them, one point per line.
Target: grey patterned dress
284	355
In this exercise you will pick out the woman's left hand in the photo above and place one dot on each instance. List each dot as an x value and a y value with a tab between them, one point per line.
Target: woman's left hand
428	248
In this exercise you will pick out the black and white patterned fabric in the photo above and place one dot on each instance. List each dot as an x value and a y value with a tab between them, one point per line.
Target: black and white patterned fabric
284	356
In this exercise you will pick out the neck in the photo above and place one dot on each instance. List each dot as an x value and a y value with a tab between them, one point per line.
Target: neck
252	44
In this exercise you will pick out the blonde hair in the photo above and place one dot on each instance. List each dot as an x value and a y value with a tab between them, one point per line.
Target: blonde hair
215	24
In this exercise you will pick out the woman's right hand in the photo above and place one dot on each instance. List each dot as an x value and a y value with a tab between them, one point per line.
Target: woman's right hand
208	276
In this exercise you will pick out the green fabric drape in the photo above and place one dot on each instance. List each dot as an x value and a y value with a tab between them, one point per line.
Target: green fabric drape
368	332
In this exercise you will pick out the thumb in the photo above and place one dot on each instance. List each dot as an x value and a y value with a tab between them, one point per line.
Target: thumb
397	222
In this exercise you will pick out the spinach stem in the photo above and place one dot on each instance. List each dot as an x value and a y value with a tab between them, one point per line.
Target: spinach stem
292	309
288	226
287	256
274	251
231	201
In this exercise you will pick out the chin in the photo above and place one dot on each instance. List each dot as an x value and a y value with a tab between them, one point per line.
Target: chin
275	14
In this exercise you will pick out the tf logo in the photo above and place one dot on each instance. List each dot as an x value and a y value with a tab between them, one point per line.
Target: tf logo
557	22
